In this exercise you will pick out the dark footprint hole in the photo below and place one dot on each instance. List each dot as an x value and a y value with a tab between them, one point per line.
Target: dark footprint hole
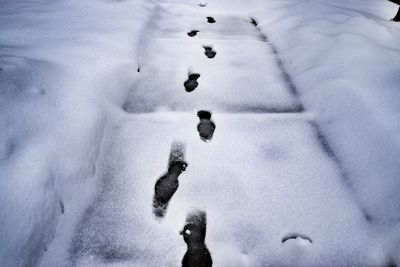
191	83
206	126
203	4
367	216
209	52
192	33
168	184
254	22
296	236
194	234
62	207
210	20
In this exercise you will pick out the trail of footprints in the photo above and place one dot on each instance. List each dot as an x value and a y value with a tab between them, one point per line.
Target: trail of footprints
194	230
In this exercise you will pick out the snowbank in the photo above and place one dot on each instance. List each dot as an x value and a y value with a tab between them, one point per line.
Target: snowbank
344	57
63	66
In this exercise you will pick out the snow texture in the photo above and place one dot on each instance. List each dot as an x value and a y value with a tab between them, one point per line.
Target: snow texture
303	167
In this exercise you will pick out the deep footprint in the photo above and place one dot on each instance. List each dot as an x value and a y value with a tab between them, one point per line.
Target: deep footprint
295	237
168	184
210	20
191	83
194	234
206	126
203	4
192	33
209	52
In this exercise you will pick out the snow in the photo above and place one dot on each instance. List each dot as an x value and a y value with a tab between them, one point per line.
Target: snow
183	55
357	96
251	204
60	68
85	135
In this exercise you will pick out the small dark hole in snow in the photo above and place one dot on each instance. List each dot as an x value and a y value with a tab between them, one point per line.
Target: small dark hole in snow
367	216
167	185
210	20
191	83
138	69
203	4
194	234
253	21
206	126
209	52
296	236
62	207
192	33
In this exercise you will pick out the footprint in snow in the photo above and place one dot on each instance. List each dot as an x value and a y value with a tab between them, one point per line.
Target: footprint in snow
194	234
209	52
191	83
206	126
203	4
167	185
210	20
192	33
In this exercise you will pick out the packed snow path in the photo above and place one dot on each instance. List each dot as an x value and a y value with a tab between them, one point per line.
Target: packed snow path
265	176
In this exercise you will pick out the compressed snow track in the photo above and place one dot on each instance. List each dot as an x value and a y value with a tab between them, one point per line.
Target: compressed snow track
264	176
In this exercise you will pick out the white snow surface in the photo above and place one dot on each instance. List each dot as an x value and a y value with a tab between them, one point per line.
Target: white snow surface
64	64
85	135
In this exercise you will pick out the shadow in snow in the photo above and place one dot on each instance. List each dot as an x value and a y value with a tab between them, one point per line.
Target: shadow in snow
294	236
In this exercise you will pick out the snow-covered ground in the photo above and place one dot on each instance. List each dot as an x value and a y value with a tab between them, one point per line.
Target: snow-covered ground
64	65
92	96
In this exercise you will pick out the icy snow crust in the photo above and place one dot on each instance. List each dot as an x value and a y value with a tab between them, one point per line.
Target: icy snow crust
92	97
